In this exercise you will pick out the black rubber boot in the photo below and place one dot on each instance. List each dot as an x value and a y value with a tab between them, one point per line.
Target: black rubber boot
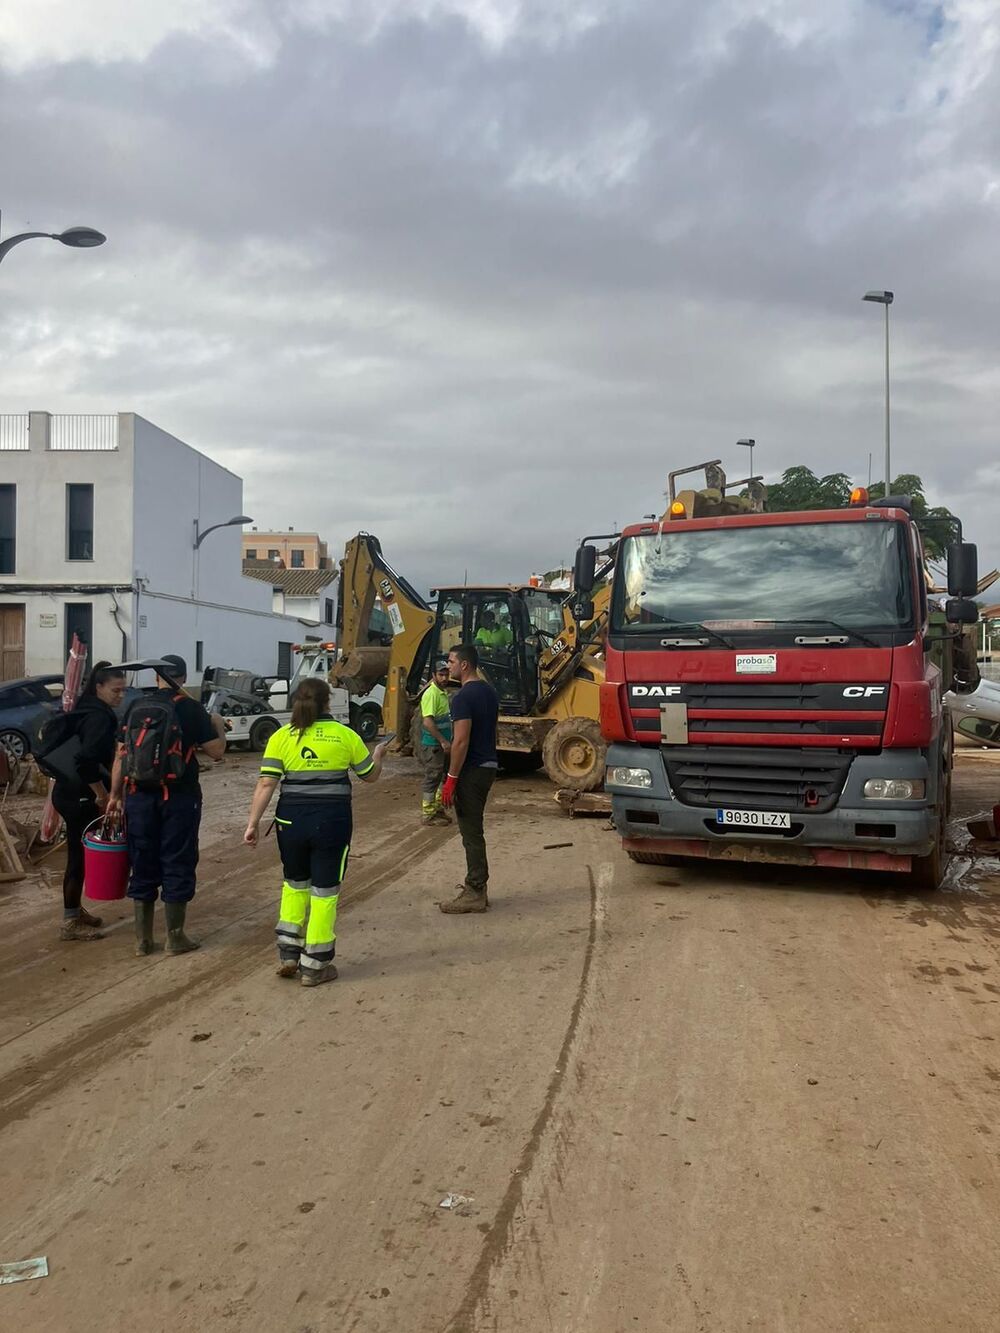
144	928
177	941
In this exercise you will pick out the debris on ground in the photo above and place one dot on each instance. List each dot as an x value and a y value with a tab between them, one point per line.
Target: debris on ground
554	846
583	802
456	1201
24	1271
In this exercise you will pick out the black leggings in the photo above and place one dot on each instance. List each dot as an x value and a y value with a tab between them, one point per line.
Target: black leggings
77	812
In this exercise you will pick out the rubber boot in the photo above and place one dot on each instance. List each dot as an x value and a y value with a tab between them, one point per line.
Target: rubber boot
144	928
177	941
468	900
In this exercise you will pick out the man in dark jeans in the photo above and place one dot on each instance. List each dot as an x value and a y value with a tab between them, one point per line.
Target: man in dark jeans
472	770
162	825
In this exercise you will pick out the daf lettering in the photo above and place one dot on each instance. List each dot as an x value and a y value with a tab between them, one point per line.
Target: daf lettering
655	691
863	691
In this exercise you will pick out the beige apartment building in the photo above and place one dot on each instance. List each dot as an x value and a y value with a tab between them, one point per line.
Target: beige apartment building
288	549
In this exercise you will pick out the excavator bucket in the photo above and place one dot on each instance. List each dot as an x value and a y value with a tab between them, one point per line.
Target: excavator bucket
361	670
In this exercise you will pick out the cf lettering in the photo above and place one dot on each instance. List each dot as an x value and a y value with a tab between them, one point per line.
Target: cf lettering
863	691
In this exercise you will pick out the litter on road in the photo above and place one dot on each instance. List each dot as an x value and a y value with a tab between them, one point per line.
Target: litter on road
24	1271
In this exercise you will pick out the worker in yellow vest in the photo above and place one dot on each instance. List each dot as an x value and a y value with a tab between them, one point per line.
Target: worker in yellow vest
435	745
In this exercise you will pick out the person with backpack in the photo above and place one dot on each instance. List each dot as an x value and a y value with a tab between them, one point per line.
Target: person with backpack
312	759
156	770
78	750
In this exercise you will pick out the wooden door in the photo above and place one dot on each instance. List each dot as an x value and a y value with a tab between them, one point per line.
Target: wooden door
11	642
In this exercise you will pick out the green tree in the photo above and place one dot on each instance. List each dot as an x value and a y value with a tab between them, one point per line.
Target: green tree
800	488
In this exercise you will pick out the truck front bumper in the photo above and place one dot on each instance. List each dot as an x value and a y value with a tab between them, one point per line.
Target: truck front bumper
857	833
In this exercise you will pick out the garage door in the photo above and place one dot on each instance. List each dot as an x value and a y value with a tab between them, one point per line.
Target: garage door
11	642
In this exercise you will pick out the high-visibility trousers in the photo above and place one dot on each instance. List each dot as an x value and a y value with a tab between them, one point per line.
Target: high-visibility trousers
314	839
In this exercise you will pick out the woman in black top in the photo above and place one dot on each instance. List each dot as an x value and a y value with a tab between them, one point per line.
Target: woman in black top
80	803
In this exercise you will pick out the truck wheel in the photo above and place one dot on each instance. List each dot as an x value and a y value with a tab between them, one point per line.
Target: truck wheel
574	753
927	872
366	722
653	858
261	732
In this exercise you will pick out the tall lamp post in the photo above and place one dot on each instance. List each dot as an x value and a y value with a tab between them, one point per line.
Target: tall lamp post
884	299
78	238
237	522
749	444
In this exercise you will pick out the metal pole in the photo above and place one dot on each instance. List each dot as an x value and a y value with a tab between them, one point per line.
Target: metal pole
751	458
888	469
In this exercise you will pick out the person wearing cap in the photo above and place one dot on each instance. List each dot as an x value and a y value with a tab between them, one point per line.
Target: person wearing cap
162	821
435	745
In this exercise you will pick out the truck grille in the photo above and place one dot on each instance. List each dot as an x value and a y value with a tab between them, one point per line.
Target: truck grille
790	779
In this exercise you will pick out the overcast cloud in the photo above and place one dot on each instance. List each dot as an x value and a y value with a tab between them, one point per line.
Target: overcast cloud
475	275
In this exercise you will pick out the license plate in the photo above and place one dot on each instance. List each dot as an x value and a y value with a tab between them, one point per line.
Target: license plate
754	818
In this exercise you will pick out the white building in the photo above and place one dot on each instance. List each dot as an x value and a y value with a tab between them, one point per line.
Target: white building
98	523
303	593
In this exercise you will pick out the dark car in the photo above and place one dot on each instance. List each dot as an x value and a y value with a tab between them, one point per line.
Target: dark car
24	705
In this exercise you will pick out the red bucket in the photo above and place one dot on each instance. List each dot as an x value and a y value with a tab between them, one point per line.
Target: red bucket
105	861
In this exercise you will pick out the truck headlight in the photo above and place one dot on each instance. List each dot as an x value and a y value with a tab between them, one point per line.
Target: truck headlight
630	777
895	789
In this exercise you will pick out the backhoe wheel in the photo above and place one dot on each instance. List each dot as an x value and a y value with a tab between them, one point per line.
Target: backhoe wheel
653	858
574	753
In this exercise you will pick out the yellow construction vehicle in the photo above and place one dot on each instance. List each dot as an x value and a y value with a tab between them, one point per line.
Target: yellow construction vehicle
545	665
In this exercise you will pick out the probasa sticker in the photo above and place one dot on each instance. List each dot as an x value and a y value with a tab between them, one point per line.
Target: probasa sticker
756	664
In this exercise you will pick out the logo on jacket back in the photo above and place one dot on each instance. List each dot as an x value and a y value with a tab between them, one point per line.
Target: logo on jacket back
306	753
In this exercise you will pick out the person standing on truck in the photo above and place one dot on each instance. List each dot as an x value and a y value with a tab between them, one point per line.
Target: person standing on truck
312	758
435	745
81	797
157	770
472	770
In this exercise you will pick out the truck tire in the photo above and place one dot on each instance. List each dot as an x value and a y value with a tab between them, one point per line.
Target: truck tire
574	753
366	721
927	872
653	858
261	732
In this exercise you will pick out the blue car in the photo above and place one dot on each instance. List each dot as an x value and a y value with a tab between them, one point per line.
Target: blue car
24	705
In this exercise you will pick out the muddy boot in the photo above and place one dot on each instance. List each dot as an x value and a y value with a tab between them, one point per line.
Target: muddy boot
144	928
315	976
468	900
94	922
288	967
177	941
77	928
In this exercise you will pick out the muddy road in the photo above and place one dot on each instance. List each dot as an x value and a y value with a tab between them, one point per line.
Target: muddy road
693	1099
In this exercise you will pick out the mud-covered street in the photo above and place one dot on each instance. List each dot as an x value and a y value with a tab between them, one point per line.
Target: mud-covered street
700	1099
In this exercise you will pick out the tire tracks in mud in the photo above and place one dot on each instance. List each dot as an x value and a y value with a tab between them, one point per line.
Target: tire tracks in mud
36	1079
497	1240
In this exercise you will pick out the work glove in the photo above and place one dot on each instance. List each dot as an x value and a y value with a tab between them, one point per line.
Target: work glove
448	791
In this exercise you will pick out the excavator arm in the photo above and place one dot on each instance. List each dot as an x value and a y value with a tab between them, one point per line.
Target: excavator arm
369	651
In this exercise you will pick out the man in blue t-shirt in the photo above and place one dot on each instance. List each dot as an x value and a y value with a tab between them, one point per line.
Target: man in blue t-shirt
472	770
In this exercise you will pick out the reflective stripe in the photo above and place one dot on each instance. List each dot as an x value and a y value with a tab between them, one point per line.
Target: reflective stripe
316	775
331	892
343	862
367	769
315	963
290	791
297	884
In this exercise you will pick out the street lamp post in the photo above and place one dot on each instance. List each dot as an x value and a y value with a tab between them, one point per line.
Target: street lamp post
78	238
749	444
236	522
884	299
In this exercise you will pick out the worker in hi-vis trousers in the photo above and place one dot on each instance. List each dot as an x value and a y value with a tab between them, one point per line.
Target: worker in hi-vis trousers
312	758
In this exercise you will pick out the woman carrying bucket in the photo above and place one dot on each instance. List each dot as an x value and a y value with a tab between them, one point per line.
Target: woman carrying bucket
313	758
82	802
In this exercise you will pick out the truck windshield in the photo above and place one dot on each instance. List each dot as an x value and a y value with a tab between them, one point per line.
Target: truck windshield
854	574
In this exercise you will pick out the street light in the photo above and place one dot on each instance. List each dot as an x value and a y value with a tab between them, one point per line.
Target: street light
884	298
78	238
749	444
236	522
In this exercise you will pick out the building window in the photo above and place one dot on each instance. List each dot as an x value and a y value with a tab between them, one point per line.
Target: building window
298	559
79	522
250	553
328	611
79	621
199	655
8	528
274	555
285	661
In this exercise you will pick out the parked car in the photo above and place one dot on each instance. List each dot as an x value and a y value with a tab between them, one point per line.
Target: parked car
24	705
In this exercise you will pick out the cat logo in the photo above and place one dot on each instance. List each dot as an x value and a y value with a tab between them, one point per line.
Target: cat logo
385	590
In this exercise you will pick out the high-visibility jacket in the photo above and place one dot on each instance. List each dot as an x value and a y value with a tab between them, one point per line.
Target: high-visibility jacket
434	703
316	764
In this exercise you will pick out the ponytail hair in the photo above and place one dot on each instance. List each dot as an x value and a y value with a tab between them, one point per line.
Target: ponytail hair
311	701
100	674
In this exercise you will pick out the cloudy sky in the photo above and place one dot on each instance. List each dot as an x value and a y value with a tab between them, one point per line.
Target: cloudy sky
475	275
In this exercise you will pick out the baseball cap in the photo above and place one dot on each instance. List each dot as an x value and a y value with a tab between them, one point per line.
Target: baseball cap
178	667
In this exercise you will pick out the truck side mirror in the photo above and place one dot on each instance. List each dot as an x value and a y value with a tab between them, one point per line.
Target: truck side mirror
585	570
963	569
961	611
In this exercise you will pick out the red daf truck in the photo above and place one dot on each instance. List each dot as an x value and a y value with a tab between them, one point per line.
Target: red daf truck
770	692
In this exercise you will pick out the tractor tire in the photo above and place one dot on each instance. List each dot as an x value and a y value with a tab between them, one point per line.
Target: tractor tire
261	732
652	858
574	753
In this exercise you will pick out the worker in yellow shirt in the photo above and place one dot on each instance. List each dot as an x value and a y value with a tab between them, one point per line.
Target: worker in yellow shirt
491	635
435	745
312	758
